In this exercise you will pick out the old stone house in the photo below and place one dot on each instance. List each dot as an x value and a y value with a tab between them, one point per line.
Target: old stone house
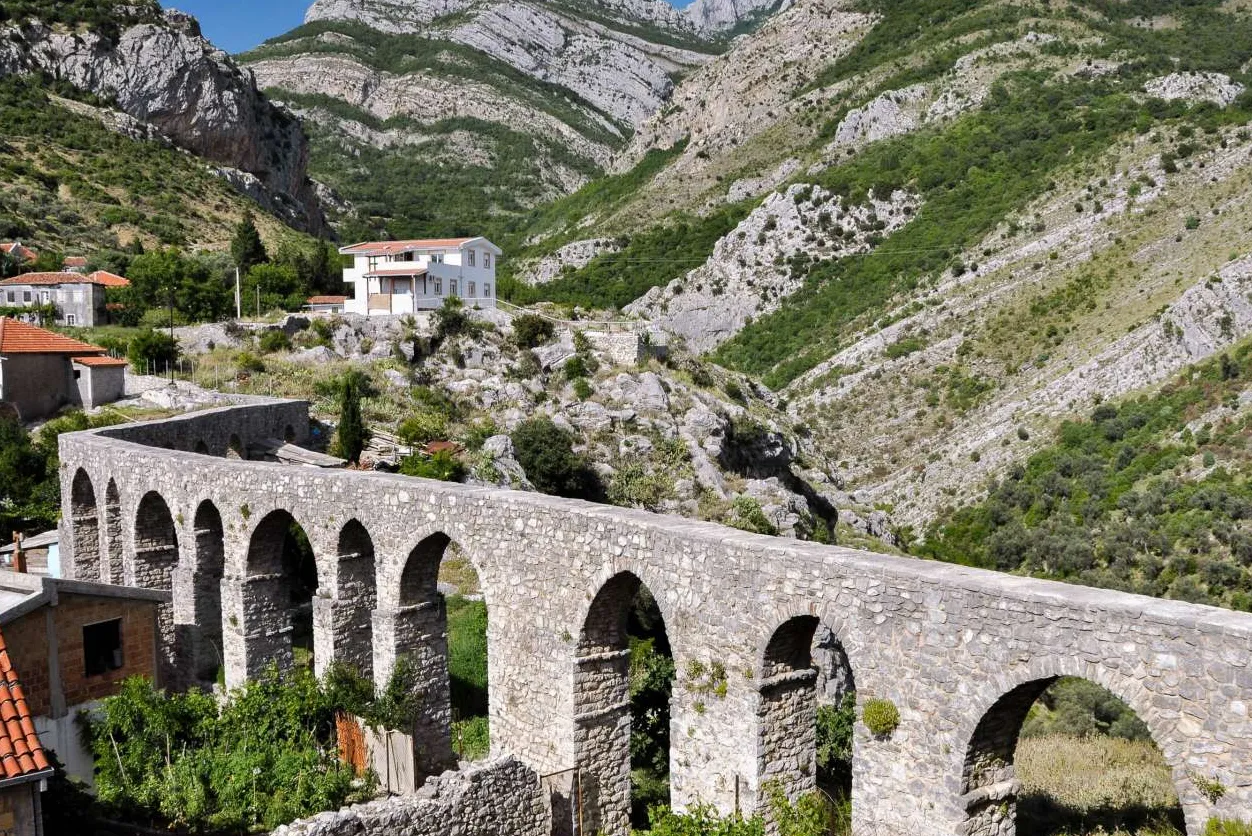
75	642
41	371
79	298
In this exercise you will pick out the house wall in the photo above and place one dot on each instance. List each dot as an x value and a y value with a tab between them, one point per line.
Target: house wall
20	813
454	268
83	301
99	385
37	384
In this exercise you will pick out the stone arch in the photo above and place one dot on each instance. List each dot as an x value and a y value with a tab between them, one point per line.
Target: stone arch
602	705
114	569
201	448
289	434
989	785
85	527
235	448
280	581
206	589
155	558
413	624
345	616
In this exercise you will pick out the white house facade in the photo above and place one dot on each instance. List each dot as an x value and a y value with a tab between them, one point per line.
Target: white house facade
390	278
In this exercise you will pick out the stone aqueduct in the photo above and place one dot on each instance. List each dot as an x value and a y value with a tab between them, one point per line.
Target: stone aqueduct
962	653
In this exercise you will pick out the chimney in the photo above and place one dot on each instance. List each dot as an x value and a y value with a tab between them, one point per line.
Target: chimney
19	556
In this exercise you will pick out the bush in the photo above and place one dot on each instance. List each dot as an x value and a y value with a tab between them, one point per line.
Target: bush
746	515
423	428
152	349
1227	827
442	465
582	389
531	330
834	742
546	453
248	362
634	486
880	716
575	367
275	340
451	319
352	434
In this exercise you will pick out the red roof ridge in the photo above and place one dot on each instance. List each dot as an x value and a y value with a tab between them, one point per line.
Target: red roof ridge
17	337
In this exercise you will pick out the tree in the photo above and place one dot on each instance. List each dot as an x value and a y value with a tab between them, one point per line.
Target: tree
28	494
546	453
353	434
531	330
247	248
450	319
152	349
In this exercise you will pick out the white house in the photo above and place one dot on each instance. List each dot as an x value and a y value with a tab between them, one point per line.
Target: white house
401	277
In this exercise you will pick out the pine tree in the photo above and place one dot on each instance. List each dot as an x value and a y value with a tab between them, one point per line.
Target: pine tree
247	248
353	435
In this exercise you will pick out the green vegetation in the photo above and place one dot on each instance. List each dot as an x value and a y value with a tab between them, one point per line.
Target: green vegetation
1079	708
532	330
104	16
246	248
546	453
352	435
1227	827
880	716
264	757
151	351
1125	499
467	656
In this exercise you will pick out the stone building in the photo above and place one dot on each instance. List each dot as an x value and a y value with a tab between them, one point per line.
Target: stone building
75	642
79	298
961	653
41	372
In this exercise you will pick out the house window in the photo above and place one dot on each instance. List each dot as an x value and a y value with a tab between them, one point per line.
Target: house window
487	260
472	289
102	647
405	256
25	295
472	255
452	287
439	286
437	258
12	295
373	263
486	290
71	319
46	297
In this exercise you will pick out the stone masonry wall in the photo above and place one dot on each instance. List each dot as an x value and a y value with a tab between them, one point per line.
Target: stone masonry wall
945	643
502	798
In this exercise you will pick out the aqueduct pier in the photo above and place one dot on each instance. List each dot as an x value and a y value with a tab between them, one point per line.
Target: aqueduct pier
962	653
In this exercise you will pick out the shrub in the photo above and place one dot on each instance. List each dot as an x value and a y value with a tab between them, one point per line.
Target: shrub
633	485
575	367
546	453
1227	827
275	340
423	427
834	742
531	330
450	319
880	716
352	435
155	349
582	389
442	465
248	362
746	515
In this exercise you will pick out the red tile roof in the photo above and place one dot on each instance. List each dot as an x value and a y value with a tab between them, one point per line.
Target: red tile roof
384	247
23	252
74	261
21	753
326	300
99	361
17	337
99	277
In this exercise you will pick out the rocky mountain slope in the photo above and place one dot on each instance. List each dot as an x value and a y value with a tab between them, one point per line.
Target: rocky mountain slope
1076	183
424	113
156	68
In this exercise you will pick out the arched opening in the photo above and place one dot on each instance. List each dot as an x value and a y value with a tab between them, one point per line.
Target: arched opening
352	608
85	527
623	678
289	434
444	638
1064	755
201	448
207	586
156	556
281	582
807	702
115	570
235	448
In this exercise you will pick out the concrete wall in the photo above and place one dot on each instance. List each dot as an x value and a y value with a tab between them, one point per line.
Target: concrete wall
37	384
20	806
98	385
84	302
945	643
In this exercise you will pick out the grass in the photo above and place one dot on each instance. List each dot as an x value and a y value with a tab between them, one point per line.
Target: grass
1073	785
467	656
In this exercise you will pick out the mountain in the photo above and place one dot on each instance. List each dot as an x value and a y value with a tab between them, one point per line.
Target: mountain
439	116
936	230
150	75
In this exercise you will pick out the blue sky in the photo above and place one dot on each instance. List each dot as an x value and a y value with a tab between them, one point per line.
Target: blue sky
237	25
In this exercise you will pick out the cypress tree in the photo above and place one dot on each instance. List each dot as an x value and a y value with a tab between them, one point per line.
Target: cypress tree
247	248
353	435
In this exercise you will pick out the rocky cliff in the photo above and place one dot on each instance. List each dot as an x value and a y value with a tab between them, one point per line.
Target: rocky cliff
166	75
519	101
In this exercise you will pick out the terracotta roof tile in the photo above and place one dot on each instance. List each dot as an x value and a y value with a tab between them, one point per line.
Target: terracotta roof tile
402	246
99	361
17	337
99	277
21	753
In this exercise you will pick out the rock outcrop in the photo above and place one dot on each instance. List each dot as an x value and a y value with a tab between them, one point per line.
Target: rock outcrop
725	15
166	75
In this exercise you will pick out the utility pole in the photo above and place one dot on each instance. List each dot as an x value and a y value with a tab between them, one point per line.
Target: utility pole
238	297
258	301
172	338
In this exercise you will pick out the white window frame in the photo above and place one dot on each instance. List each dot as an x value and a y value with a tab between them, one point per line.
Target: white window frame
487	261
473	289
438	286
473	257
71	319
487	291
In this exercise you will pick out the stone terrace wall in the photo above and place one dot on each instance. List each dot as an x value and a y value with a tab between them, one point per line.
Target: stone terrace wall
502	798
945	643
